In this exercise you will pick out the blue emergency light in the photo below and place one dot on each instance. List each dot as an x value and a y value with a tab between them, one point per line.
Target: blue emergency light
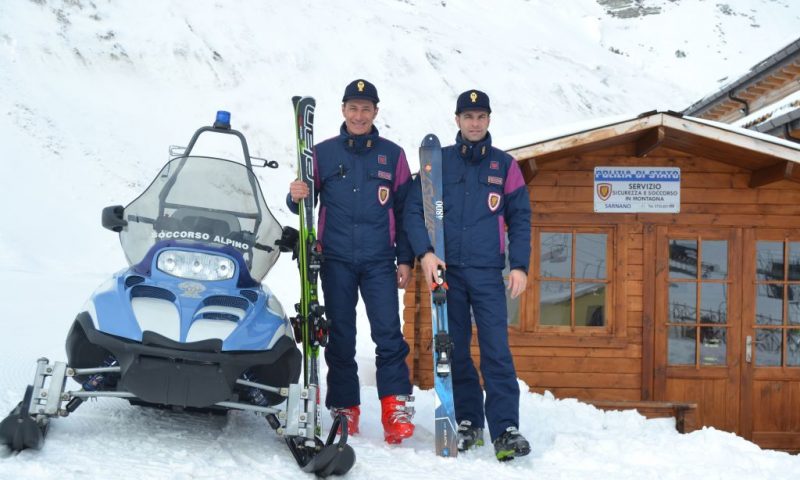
223	119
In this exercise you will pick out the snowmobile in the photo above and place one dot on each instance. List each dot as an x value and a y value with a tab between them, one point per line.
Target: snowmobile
188	325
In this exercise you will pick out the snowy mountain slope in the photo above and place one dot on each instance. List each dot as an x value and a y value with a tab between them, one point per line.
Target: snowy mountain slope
93	92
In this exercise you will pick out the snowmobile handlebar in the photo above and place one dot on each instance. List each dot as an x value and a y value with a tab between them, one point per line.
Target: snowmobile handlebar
227	131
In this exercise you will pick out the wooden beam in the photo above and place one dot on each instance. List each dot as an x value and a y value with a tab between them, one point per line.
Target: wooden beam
769	82
783	75
529	170
771	174
651	140
778	79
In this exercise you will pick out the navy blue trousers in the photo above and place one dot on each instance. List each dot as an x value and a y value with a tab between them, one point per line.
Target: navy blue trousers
377	282
483	290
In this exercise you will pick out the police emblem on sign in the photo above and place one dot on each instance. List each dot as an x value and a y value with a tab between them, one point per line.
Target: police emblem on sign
493	200
604	191
383	195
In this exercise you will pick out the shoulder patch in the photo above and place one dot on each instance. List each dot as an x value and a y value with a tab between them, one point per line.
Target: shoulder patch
494	165
382	159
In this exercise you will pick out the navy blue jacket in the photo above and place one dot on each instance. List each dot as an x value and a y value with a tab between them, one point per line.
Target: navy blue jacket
483	193
361	182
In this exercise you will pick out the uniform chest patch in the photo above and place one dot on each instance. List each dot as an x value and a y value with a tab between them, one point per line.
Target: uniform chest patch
383	194
493	200
495	180
382	159
494	165
384	175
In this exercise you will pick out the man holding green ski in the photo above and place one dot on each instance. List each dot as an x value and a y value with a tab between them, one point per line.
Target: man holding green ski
361	181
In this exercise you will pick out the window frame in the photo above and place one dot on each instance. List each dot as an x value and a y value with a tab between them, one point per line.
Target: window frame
614	311
701	285
785	326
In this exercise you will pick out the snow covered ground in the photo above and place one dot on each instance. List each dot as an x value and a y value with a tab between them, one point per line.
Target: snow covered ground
93	92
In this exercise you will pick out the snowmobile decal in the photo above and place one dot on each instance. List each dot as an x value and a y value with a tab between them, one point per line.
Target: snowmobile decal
191	289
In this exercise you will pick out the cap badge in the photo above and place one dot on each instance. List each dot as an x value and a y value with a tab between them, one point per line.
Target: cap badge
473	96
360	86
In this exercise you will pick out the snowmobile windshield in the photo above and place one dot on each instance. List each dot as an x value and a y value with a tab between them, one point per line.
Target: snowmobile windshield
204	200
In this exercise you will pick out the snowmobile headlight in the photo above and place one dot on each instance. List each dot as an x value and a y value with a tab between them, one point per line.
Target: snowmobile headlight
195	265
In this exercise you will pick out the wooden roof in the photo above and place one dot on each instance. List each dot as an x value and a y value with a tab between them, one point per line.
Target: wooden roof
767	82
769	159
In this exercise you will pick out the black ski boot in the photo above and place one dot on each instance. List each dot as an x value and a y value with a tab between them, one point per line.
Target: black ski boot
469	436
511	444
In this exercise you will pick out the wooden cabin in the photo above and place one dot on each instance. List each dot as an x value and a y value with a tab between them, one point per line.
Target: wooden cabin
664	275
764	99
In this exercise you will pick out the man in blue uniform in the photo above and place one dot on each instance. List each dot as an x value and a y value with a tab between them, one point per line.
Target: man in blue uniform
483	193
362	181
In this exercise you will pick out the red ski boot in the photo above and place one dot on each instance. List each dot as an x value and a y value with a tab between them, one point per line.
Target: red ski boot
396	417
351	414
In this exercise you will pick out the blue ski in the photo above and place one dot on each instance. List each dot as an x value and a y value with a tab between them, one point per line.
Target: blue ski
430	160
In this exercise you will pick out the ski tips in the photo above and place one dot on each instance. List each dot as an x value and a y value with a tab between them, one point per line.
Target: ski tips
430	140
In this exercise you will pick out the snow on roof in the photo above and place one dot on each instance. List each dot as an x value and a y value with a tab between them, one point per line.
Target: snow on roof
553	133
523	140
774	110
750	133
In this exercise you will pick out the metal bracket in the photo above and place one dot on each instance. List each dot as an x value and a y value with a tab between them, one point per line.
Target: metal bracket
48	387
176	151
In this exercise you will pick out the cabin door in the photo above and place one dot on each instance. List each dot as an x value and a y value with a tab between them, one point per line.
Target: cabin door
698	327
770	414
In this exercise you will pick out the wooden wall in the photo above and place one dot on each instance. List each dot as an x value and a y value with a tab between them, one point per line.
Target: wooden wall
618	366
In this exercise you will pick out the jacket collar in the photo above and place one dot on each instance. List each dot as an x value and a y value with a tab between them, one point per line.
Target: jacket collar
473	152
358	144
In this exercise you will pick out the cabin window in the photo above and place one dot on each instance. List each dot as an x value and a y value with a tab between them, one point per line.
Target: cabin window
697	299
573	279
777	304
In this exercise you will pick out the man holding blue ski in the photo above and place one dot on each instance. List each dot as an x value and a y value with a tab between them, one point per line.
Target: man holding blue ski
483	193
362	180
